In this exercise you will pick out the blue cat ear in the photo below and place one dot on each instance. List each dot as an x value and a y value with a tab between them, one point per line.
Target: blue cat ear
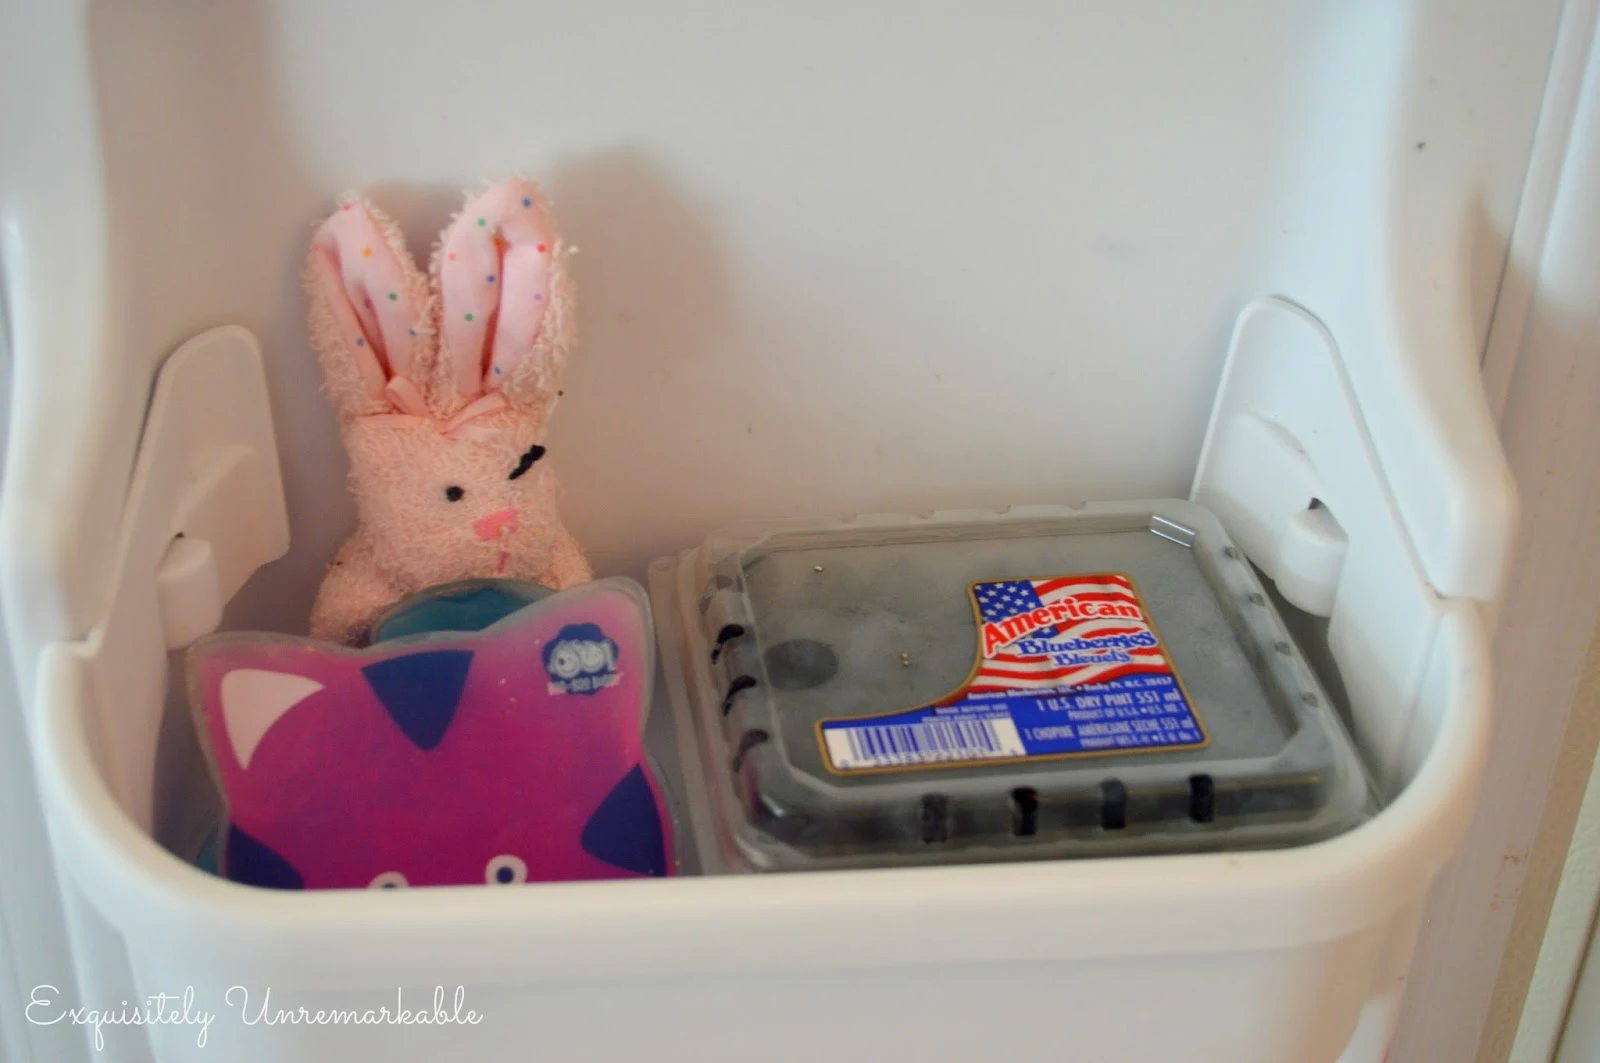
255	863
420	691
625	831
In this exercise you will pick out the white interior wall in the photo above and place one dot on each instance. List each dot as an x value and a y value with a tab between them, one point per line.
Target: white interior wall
841	259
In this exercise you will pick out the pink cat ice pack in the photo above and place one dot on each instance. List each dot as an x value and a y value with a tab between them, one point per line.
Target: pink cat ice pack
512	754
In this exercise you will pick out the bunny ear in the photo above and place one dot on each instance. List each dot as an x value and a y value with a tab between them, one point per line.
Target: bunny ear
368	301
503	297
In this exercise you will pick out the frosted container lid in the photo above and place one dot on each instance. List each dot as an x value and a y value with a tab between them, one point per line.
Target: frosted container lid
1110	680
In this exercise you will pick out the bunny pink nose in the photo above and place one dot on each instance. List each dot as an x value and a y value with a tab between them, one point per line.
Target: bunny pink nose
495	525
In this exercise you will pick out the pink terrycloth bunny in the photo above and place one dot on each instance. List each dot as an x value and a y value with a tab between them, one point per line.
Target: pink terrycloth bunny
444	390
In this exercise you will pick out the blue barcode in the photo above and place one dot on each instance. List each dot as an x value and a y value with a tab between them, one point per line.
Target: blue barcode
857	746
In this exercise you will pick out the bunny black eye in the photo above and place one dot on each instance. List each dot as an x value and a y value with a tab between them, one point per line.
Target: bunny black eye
524	463
453	493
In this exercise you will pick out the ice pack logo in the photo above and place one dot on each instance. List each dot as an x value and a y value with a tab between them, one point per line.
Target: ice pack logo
581	660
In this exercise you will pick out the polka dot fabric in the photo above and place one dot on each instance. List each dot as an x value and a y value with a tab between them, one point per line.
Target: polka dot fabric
494	284
376	296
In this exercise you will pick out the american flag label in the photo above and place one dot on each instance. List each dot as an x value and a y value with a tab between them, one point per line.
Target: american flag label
1067	666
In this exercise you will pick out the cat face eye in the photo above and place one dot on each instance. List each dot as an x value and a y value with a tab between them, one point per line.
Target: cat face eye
524	463
505	870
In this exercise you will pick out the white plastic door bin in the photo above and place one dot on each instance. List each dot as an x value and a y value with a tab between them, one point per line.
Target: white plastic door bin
864	259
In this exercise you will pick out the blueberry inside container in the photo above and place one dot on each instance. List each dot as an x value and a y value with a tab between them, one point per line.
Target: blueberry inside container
1104	681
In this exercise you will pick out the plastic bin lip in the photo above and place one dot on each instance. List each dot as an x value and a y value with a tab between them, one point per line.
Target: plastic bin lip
824	919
